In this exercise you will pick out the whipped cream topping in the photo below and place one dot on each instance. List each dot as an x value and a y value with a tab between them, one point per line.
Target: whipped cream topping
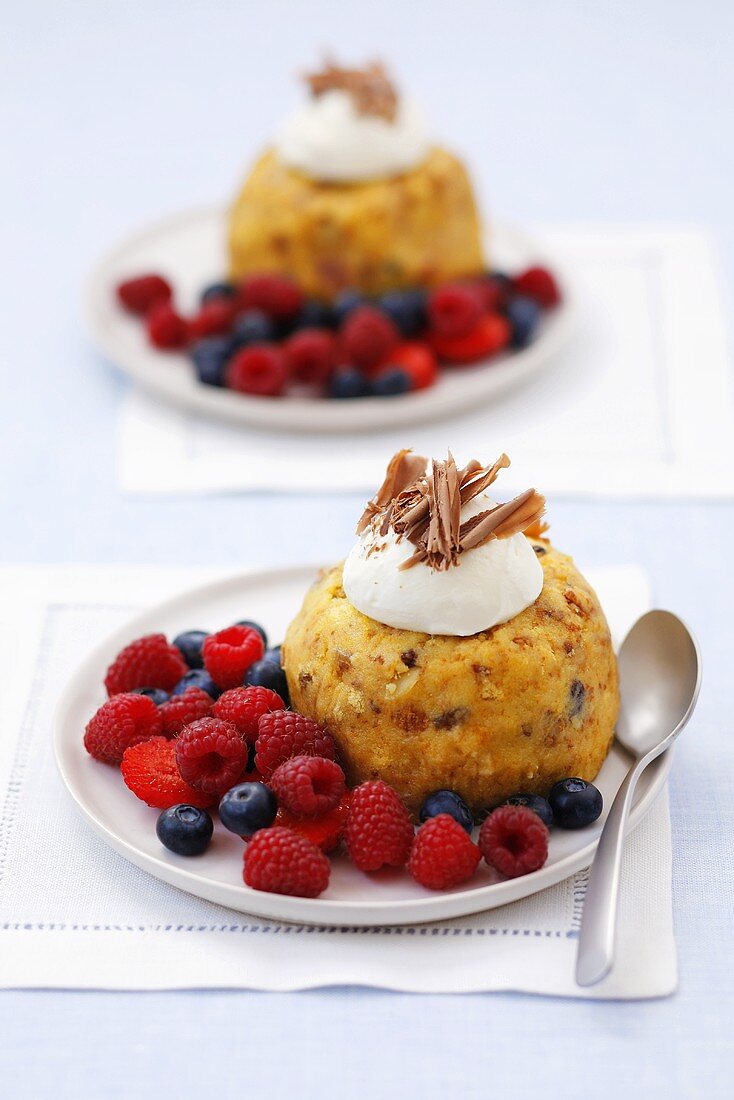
493	582
327	139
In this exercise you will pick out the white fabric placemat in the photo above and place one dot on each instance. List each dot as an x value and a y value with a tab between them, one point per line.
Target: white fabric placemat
639	404
75	914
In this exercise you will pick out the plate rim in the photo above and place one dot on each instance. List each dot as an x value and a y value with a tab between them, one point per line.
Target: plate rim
494	377
327	912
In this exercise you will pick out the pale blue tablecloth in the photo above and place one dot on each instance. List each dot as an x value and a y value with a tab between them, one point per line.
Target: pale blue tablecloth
114	114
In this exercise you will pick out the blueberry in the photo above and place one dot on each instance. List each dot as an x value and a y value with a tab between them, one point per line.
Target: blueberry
267	673
273	654
575	803
247	808
217	290
314	315
252	327
210	359
348	382
253	626
447	802
523	315
344	304
392	381
536	803
190	643
197	678
156	694
185	830
500	277
406	309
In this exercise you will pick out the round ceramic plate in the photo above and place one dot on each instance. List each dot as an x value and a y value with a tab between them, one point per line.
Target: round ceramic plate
352	898
190	250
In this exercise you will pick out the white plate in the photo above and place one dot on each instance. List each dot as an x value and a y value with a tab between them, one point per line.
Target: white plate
190	250
352	898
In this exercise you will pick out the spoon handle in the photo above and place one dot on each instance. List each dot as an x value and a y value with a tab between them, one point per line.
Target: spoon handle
599	921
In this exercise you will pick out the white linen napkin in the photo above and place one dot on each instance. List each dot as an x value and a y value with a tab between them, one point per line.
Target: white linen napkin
642	393
75	914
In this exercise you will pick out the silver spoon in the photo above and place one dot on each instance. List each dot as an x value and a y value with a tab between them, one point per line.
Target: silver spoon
660	677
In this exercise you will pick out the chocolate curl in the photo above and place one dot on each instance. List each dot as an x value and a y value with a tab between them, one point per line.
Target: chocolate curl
502	521
403	468
442	537
472	488
370	89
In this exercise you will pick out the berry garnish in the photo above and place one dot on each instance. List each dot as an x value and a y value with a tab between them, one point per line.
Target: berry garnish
379	831
185	829
536	803
308	785
276	295
310	356
390	382
216	291
514	840
248	807
182	710
147	662
210	358
407	310
443	855
156	694
268	673
229	653
489	335
189	643
211	755
454	309
283	734
280	861
523	315
244	707
348	382
213	319
138	295
259	369
254	626
166	328
325	831
493	290
345	304
538	283
199	678
368	337
418	362
150	771
314	314
575	803
447	802
122	721
252	327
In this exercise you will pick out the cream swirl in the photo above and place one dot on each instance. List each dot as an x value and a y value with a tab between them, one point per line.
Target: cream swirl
327	139
491	584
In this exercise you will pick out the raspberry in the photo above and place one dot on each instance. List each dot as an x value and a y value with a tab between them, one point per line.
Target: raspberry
276	295
368	337
418	362
122	721
443	854
378	830
138	295
149	770
181	710
213	319
282	862
244	707
308	785
489	335
166	328
454	309
211	755
283	734
538	283
310	356
147	662
259	369
229	653
492	292
325	831
514	840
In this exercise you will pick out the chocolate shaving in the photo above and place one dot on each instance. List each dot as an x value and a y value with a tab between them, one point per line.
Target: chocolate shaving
424	506
370	89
